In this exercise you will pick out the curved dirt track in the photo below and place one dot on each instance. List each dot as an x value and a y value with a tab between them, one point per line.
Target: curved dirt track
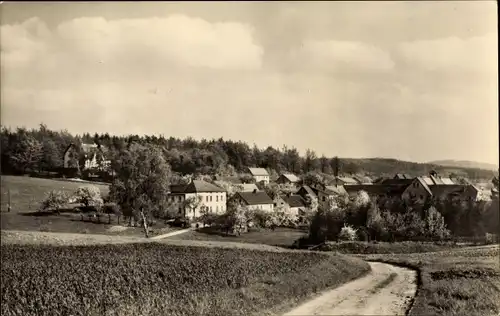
386	290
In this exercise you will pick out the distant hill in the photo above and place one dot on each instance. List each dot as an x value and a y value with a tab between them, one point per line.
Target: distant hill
387	167
465	164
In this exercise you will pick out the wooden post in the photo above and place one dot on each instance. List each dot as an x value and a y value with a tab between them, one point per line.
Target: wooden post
8	201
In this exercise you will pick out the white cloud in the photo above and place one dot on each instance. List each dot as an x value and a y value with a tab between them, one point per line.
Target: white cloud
176	39
474	54
334	55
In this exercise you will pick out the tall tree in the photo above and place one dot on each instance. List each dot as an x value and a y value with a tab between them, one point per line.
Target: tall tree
142	181
26	153
311	162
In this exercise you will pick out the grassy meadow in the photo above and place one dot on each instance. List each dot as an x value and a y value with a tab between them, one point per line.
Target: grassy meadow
26	193
462	281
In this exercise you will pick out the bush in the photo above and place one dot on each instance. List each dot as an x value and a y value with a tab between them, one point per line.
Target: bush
89	196
348	233
54	200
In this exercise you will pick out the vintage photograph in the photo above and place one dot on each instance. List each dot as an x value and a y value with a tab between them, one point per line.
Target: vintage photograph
249	158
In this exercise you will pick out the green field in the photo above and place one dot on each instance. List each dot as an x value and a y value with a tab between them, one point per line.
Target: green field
282	237
27	193
159	279
455	282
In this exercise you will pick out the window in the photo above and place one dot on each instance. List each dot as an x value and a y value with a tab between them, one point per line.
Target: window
207	198
210	198
421	197
217	208
324	198
274	204
210	209
217	198
180	209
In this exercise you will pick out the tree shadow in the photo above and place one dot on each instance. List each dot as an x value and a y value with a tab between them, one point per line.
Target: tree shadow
49	213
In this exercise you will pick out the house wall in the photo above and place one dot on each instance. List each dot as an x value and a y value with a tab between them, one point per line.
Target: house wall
261	178
176	202
215	201
417	190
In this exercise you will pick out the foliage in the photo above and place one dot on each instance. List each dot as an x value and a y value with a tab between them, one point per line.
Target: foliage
90	196
348	233
157	279
24	149
54	200
142	180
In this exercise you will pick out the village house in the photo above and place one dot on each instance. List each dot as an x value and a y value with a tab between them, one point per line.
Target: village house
204	196
259	174
94	157
293	204
288	178
255	200
307	193
327	192
439	188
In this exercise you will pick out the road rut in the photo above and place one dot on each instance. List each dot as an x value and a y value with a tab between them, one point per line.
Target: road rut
386	290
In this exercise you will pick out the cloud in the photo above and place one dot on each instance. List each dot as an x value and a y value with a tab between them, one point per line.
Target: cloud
176	39
332	55
474	54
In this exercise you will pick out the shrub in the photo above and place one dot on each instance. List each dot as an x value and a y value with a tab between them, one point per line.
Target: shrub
347	233
54	200
89	196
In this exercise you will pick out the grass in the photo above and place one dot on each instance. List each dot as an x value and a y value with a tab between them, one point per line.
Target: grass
281	237
26	195
359	247
160	279
463	281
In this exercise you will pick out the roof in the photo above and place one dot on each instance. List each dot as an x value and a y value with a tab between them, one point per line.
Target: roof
177	188
258	171
198	186
231	179
347	180
248	187
294	201
440	190
362	179
308	190
331	190
255	198
374	189
396	181
402	176
291	177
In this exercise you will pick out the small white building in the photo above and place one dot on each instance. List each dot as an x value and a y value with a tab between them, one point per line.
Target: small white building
259	174
255	200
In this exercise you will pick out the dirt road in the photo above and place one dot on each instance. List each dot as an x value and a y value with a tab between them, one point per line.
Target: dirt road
387	290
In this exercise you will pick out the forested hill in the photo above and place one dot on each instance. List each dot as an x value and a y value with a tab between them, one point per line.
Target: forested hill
43	149
465	164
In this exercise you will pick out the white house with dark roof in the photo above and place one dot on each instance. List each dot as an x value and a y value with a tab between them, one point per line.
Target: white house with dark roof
94	156
259	174
255	200
288	178
291	203
212	198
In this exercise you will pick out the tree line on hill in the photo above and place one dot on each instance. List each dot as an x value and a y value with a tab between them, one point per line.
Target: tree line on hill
34	150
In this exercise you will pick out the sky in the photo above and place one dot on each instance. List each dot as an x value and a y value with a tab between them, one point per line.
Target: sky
413	80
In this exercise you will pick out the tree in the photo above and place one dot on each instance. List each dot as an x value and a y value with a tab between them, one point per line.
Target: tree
26	153
348	233
193	203
435	226
54	200
141	183
311	162
51	156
